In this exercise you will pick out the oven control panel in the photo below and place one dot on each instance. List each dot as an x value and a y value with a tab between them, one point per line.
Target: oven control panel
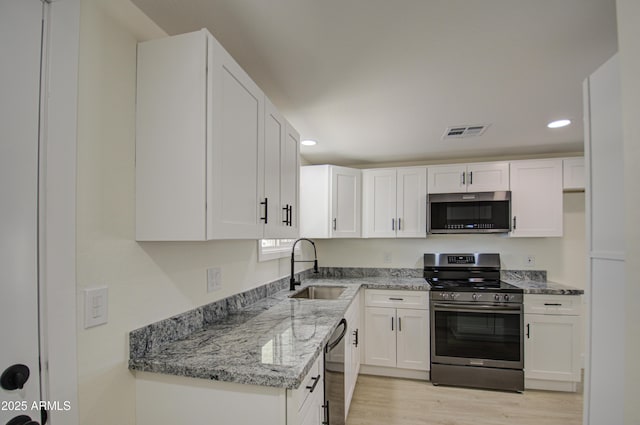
477	297
461	259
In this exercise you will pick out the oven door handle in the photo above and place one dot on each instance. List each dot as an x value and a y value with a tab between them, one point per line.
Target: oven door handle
475	308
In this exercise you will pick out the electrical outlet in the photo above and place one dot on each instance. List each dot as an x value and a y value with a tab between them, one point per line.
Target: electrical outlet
530	260
387	258
96	306
214	279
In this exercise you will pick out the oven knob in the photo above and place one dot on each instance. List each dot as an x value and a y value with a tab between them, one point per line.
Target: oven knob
497	297
475	297
507	297
445	296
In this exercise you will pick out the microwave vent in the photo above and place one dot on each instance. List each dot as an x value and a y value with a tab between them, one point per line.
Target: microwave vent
464	131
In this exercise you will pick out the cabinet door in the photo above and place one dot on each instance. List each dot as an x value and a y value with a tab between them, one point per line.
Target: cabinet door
274	136
411	202
573	174
380	336
379	203
290	182
488	177
536	198
413	339
447	178
346	198
552	347
236	151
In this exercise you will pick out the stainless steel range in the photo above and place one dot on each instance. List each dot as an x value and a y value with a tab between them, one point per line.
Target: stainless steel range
477	326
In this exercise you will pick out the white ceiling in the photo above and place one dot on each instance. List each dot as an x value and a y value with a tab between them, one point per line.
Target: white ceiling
380	80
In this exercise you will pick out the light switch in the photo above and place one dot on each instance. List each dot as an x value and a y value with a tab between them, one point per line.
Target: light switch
95	306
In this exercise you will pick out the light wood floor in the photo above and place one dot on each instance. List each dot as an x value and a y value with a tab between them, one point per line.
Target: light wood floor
392	401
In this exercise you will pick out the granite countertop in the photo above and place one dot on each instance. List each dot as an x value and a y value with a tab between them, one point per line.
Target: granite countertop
535	282
544	288
272	342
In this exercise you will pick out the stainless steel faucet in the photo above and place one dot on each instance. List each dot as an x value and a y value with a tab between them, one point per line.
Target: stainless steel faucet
292	280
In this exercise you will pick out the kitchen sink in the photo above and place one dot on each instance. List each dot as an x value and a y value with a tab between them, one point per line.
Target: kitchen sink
319	292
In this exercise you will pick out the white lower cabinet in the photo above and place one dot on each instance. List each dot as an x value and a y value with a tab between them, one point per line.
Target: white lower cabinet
352	352
170	400
395	336
552	345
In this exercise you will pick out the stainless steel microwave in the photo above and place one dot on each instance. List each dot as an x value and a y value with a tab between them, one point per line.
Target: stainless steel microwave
480	212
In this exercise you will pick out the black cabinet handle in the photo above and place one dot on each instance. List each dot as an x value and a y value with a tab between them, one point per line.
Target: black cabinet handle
470	177
396	299
553	304
315	380
335	223
528	331
290	215
399	224
399	324
514	222
463	178
392	323
266	210
355	336
286	214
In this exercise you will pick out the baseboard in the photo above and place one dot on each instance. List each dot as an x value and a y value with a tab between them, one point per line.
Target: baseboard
539	384
394	372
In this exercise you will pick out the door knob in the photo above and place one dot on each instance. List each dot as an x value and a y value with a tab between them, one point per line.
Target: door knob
14	377
22	420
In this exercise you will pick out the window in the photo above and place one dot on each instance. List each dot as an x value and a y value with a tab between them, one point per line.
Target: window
271	249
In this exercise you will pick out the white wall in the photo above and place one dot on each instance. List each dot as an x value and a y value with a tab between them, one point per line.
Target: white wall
147	281
629	43
563	258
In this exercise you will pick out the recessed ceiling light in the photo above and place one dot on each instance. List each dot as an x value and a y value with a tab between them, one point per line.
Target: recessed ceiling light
559	123
308	142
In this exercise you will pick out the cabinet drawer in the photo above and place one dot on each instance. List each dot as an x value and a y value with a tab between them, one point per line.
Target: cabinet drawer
302	393
564	305
397	299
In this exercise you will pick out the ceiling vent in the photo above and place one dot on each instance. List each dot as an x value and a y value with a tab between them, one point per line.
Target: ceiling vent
463	131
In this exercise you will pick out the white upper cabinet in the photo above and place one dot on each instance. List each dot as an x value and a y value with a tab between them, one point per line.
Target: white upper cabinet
480	177
330	202
200	147
290	183
536	198
394	202
573	174
281	176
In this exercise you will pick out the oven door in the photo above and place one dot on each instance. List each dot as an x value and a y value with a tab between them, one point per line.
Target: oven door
477	335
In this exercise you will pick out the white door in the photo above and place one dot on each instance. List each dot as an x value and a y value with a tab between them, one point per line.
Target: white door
552	347
413	339
238	149
345	202
488	177
412	202
19	108
274	133
536	198
379	203
380	336
447	178
290	181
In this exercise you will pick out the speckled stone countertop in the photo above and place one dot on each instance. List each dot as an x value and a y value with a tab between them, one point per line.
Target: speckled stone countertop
535	282
272	342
